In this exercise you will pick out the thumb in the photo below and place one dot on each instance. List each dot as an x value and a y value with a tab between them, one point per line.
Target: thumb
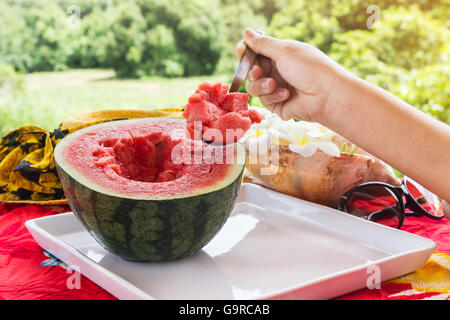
261	44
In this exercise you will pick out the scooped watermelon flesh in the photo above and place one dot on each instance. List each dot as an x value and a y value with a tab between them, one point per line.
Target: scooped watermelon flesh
146	191
120	157
213	114
142	158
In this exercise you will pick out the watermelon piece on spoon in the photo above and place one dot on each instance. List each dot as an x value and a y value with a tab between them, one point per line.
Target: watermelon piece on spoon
214	115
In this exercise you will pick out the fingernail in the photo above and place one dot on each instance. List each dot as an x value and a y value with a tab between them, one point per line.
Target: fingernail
265	84
250	75
261	32
282	93
250	33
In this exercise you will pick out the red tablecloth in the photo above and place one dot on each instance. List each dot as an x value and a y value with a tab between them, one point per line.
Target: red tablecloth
28	272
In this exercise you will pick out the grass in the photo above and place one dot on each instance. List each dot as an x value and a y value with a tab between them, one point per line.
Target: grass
51	97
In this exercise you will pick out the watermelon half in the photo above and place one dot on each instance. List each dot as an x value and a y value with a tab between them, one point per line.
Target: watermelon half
144	190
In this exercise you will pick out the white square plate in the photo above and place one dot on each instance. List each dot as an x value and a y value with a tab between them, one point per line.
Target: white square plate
272	246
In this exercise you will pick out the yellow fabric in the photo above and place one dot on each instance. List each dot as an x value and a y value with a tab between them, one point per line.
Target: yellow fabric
27	167
434	276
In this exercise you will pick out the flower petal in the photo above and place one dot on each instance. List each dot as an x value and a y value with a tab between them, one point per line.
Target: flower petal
306	150
317	134
280	135
258	145
329	148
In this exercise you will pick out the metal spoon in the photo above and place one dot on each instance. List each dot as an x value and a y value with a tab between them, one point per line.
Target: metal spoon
243	68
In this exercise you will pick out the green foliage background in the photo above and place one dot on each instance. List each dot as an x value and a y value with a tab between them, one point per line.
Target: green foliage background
406	52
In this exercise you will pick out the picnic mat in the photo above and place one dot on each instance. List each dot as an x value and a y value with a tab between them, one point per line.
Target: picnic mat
29	272
29	189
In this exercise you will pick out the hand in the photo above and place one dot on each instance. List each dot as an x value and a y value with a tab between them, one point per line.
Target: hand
446	206
296	80
293	79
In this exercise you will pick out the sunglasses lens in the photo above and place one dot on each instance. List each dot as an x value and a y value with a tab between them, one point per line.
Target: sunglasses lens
427	200
375	203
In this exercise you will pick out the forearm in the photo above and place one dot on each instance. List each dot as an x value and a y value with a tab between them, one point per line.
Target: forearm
392	130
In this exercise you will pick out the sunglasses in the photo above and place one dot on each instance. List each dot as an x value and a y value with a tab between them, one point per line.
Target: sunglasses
389	205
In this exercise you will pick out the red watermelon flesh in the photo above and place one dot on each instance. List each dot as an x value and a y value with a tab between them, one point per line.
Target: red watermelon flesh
230	126
254	115
235	102
211	112
202	110
215	93
141	158
148	157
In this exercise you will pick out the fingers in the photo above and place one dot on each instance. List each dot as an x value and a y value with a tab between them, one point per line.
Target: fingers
278	95
263	79
261	44
261	87
446	206
265	64
241	46
267	89
255	73
240	49
283	110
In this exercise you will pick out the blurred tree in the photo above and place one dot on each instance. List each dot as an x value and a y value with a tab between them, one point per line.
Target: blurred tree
198	34
427	88
317	22
236	16
402	39
196	31
47	31
15	42
308	21
353	14
407	53
125	38
34	39
90	42
135	37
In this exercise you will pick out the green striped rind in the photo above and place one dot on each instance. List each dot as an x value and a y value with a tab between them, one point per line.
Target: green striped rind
150	230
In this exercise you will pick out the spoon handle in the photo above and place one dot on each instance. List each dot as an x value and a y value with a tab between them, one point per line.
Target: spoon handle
244	66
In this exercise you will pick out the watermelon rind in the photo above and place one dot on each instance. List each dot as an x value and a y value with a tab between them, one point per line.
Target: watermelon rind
142	228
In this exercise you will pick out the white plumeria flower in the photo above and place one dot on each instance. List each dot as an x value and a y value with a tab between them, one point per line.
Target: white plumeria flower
260	145
329	147
306	150
302	137
319	134
257	138
280	137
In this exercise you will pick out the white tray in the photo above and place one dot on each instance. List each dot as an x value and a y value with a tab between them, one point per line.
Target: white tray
272	246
